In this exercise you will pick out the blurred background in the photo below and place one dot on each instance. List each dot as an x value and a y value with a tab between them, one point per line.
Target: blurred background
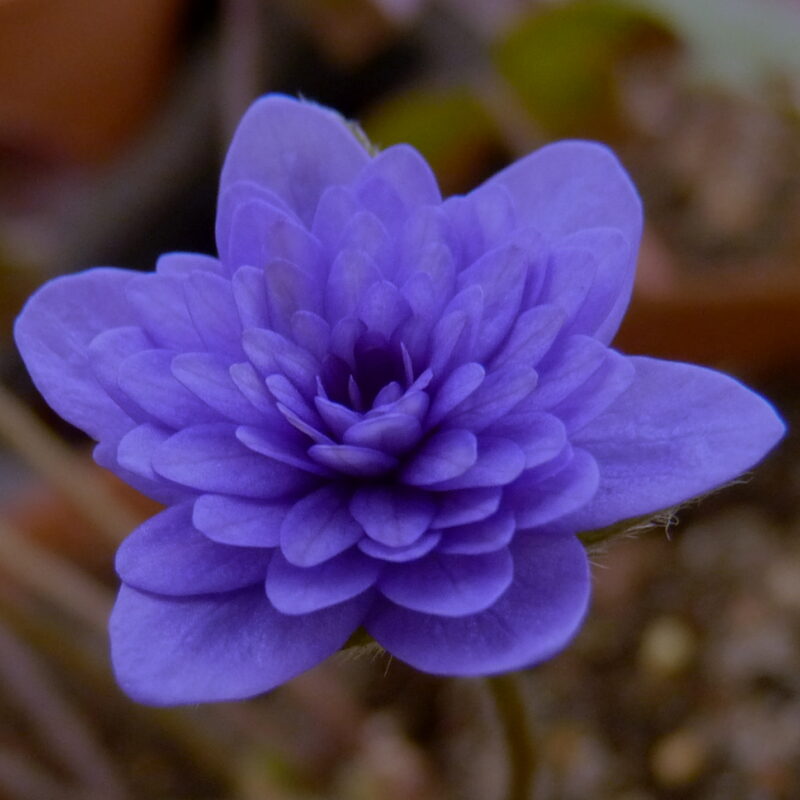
685	681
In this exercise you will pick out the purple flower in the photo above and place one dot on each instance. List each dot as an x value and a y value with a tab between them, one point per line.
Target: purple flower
391	411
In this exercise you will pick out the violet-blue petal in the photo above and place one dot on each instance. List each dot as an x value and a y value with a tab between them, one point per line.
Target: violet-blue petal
382	307
391	433
271	353
146	378
569	186
571	273
499	461
231	199
168	555
290	288
501	275
449	585
159	305
486	536
311	332
181	263
539	501
136	448
463	506
250	296
209	458
598	392
678	431
540	436
352	459
211	305
534	619
394	516
303	590
352	273
319	527
207	376
53	332
106	352
169	651
323	150
239	522
445	455
456	388
497	395
532	335
410	552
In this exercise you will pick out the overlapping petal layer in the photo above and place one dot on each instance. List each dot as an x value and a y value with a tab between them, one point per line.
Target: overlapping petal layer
376	408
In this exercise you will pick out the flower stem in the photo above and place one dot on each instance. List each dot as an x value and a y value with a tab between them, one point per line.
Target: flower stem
509	700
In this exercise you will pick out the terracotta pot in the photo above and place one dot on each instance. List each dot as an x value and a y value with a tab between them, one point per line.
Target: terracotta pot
76	78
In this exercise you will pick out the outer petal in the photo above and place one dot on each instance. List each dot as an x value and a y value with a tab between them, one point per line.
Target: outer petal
569	186
295	149
533	620
53	333
301	590
168	651
449	585
676	432
168	555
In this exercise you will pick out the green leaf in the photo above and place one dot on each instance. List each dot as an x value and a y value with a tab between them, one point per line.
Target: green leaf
561	60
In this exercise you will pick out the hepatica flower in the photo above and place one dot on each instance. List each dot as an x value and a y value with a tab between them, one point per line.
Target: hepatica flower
377	410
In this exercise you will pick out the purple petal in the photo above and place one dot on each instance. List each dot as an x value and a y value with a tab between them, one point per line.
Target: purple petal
365	232
540	436
501	275
538	501
147	379
483	220
533	620
279	444
497	395
598	392
253	388
271	353
213	310
445	455
676	432
53	332
311	333
571	273
168	651
409	175
353	460
566	368
285	392
382	308
568	186
410	552
533	333
352	273
243	523
187	263
605	304
303	590
393	516
485	536
319	527
210	458
159	303
449	585
230	200
499	462
290	289
337	417
295	149
390	433
463	506
136	448
457	387
168	555
207	376
337	207
250	296
106	352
